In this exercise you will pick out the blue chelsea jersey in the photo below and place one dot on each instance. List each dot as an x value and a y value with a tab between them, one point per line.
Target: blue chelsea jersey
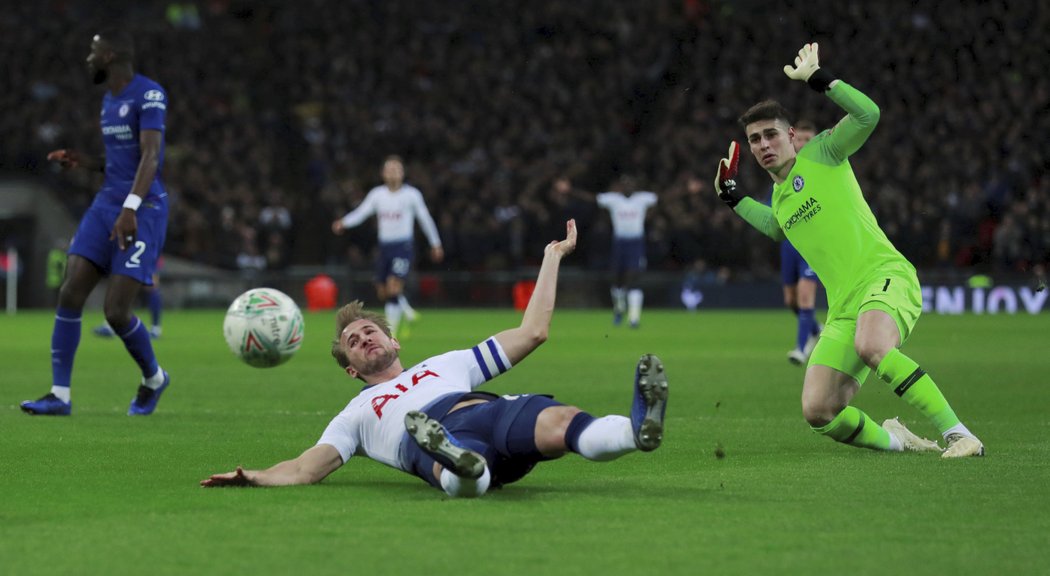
141	105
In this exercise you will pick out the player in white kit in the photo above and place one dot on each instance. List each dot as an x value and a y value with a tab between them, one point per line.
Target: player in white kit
628	251
429	420
396	205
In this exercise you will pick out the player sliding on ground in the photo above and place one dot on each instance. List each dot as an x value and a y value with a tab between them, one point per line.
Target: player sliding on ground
873	292
429	421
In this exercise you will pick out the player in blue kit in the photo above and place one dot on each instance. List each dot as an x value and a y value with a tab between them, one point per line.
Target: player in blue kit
122	233
155	303
799	280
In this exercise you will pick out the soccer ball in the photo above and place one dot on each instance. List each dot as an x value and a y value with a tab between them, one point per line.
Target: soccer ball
263	327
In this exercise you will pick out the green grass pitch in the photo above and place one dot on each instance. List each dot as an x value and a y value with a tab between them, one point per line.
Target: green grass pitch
104	493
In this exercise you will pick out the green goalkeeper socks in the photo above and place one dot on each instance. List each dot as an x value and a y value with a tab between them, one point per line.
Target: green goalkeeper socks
916	387
854	427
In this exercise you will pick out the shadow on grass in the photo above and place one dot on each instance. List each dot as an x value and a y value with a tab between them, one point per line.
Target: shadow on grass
523	491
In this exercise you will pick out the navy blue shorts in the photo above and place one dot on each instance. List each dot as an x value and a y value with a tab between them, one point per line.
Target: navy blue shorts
502	430
395	259
793	267
139	260
628	255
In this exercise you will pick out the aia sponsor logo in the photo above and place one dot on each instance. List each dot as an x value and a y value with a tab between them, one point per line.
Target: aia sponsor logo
380	401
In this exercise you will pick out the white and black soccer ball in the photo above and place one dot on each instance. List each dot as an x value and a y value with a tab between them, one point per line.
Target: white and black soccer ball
263	327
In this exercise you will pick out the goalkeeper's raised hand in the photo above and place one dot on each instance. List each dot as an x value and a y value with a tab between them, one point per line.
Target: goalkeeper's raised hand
807	69
806	63
725	180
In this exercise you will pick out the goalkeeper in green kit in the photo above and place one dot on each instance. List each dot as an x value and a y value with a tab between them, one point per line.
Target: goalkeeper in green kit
874	298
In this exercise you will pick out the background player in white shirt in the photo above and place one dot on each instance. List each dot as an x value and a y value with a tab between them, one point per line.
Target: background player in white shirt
396	205
428	420
628	249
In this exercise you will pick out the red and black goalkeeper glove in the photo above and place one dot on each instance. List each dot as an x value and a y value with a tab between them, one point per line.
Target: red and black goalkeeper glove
725	180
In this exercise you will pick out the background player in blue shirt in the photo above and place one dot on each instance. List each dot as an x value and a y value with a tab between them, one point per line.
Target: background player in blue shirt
122	233
155	303
799	280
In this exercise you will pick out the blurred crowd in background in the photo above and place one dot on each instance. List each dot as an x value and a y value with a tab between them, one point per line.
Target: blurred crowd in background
512	114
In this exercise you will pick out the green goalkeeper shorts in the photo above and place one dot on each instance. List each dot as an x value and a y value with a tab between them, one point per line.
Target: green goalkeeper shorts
896	293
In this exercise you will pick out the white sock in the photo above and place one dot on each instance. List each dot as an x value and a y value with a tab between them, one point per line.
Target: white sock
410	312
619	299
607	438
460	487
634	305
393	315
61	392
154	381
959	428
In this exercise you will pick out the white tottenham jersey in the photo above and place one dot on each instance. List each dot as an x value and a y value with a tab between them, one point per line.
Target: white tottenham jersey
373	423
396	211
628	212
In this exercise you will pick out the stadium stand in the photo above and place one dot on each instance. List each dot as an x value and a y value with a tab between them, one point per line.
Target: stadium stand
281	113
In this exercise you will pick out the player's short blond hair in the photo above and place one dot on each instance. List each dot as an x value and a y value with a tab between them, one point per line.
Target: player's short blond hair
347	315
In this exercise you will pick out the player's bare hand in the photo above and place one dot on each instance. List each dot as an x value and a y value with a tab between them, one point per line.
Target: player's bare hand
566	246
67	159
437	253
124	229
806	63
337	227
236	478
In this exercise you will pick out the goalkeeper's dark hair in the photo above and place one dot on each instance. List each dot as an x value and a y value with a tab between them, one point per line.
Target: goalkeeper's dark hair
120	41
347	315
765	110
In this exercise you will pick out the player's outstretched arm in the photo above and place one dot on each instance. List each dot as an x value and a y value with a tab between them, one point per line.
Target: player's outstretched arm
357	215
862	114
70	159
310	467
755	213
519	342
426	222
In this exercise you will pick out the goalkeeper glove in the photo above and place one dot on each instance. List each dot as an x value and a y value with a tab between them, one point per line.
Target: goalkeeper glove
807	69
725	180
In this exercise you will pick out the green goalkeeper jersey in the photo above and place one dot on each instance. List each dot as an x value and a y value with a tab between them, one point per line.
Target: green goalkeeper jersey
821	210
